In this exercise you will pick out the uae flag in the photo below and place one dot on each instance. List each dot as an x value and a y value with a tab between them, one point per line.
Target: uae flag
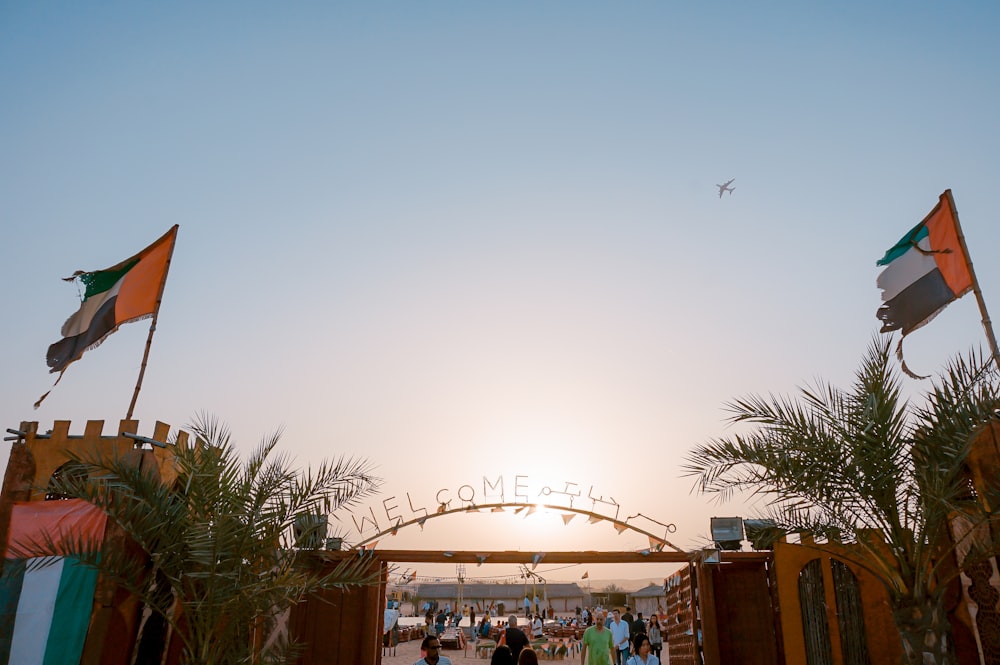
924	271
45	609
123	293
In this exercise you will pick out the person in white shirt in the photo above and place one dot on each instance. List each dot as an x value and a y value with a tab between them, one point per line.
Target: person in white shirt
390	634
642	656
620	636
432	647
537	627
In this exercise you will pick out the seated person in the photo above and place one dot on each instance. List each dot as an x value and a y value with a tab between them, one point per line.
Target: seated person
484	627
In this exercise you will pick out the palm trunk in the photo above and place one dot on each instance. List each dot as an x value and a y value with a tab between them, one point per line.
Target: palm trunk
925	631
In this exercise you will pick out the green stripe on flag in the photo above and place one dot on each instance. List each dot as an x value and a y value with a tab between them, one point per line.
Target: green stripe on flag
74	602
46	611
102	280
905	244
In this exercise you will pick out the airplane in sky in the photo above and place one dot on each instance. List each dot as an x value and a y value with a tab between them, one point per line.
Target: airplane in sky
726	188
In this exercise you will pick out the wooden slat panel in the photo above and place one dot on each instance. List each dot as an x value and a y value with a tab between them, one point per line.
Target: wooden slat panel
340	626
746	620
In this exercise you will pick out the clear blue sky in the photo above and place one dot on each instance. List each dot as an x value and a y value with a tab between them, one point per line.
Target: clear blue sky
468	239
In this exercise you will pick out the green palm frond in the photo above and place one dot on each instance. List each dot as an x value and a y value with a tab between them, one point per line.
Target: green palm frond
221	539
862	465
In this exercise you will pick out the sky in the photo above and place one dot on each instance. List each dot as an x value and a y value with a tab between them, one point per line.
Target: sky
470	241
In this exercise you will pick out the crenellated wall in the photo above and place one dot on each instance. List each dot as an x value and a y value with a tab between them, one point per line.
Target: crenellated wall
50	450
34	457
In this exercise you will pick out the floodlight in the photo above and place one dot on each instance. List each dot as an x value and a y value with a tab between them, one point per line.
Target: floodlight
727	532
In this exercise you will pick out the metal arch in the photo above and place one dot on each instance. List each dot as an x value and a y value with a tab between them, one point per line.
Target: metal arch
475	508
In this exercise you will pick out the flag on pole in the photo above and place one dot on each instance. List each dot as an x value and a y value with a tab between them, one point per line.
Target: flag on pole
126	292
45	610
924	271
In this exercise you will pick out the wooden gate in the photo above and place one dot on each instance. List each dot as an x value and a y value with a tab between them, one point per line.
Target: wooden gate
739	621
832	612
341	625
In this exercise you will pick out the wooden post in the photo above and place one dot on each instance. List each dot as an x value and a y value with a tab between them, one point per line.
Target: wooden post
987	324
707	623
152	328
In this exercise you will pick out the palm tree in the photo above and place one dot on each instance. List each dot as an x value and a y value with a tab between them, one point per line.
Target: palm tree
219	559
870	469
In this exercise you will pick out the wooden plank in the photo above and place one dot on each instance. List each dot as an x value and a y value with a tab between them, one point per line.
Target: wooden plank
707	619
744	614
510	556
339	626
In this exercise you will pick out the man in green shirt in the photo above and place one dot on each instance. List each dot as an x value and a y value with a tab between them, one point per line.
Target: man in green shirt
597	643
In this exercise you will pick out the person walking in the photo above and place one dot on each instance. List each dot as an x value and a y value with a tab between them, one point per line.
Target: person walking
620	634
655	635
597	646
642	655
514	637
431	648
637	627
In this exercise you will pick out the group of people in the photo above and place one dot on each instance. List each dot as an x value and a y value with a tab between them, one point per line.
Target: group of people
624	640
437	623
510	649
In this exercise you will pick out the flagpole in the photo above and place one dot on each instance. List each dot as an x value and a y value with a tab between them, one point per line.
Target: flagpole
152	329
987	324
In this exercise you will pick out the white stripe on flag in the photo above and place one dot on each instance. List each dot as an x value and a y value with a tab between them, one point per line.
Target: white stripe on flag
905	270
35	612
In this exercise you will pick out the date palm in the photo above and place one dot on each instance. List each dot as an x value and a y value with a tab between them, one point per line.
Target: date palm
868	468
218	559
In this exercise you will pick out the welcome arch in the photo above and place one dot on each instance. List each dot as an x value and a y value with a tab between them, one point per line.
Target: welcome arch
656	543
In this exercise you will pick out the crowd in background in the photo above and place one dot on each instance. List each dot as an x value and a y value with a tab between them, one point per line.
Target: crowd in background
612	638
